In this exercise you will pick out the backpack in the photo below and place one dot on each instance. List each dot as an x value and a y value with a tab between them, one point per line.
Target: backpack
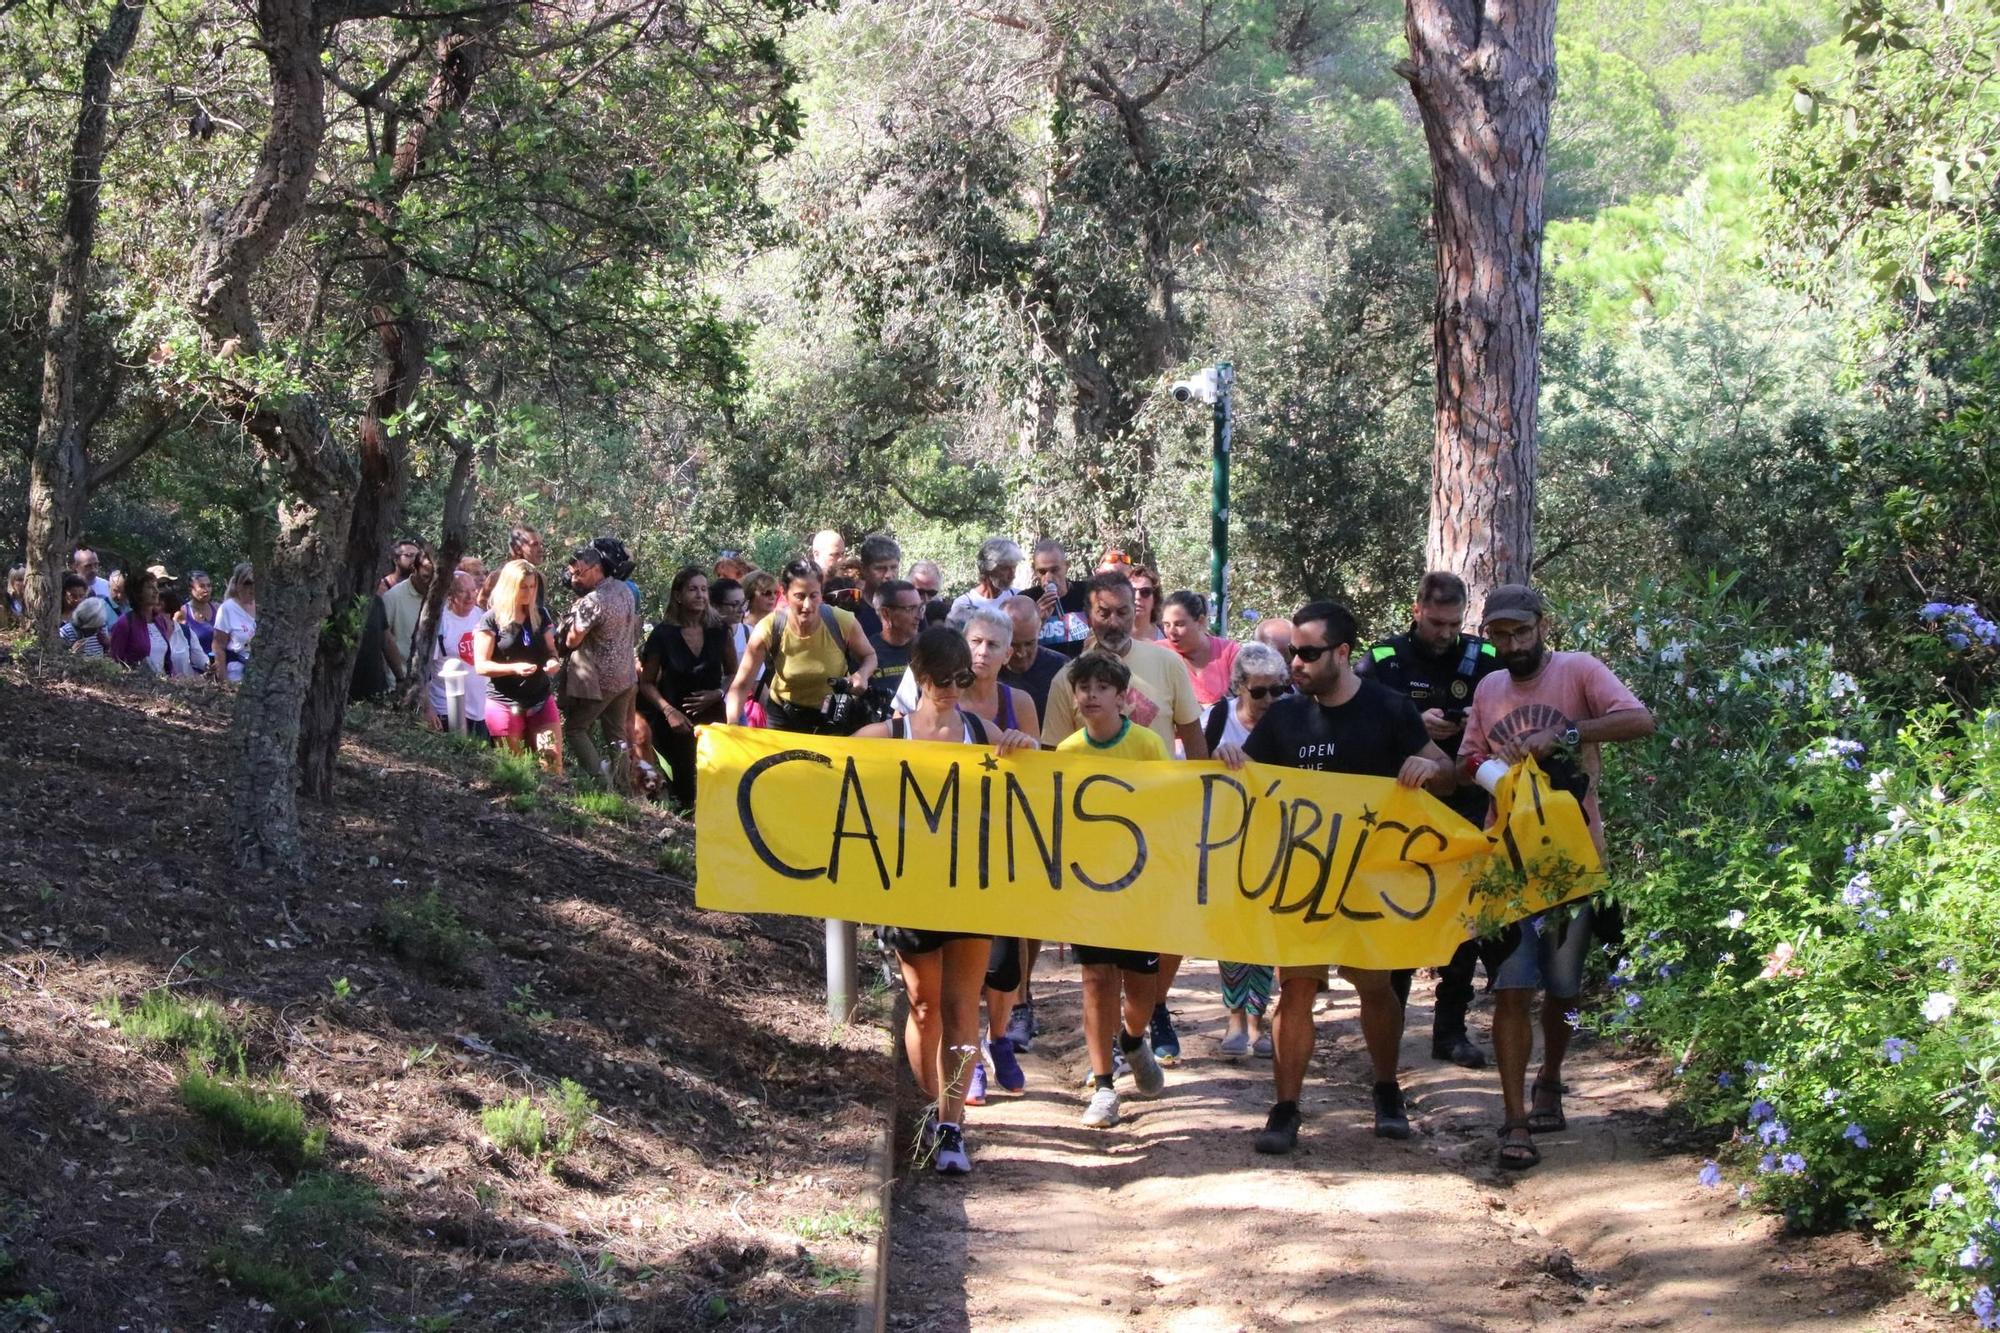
777	650
1217	723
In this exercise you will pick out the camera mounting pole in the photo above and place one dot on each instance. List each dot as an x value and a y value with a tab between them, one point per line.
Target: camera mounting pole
1218	517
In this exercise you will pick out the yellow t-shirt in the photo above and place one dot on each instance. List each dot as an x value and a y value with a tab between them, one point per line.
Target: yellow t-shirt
1161	696
801	667
1132	743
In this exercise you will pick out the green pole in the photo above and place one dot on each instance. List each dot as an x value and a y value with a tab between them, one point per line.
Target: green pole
1218	515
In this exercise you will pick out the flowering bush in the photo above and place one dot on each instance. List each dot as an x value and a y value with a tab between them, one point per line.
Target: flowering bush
1813	889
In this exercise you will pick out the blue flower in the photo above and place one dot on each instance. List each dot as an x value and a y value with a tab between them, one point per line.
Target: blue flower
1773	1132
1938	1006
1852	850
1793	1164
1830	1095
1754	1067
1855	1135
1985	1309
1632	1000
1934	610
1666	972
1742	1192
1857	893
1983	1120
1724	1080
1971	1256
1761	1110
1711	1175
1943	1195
1735	919
1894	1049
1767	1163
1948	965
1958	640
1248	614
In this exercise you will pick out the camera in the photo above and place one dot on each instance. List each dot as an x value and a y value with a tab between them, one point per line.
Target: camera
1200	387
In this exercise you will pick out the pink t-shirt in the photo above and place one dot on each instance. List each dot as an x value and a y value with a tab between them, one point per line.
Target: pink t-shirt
1570	688
1212	681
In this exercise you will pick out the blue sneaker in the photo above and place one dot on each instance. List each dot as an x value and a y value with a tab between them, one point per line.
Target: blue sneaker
1166	1041
1006	1068
1021	1027
975	1087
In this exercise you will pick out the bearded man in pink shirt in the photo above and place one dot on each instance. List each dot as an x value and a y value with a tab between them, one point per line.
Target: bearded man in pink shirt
1545	704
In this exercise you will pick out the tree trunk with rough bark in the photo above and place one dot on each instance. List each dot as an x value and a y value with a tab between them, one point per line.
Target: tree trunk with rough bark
317	475
1484	76
457	535
401	341
59	473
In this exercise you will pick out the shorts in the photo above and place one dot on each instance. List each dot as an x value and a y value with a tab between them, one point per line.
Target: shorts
474	727
909	943
506	722
1125	960
1399	979
1550	956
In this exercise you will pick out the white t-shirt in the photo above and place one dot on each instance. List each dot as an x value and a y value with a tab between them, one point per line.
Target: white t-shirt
175	654
968	602
1233	730
455	640
241	627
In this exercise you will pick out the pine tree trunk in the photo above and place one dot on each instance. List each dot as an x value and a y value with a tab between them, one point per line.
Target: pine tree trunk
59	474
1484	77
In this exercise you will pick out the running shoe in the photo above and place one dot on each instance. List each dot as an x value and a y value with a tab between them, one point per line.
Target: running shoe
1147	1076
1166	1041
1021	1027
975	1086
952	1159
1102	1113
1261	1048
1392	1121
1281	1129
1235	1045
1006	1069
1120	1067
927	1129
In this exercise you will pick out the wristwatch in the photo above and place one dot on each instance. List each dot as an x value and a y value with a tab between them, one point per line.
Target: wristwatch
1572	737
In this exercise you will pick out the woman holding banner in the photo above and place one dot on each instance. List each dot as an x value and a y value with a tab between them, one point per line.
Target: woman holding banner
943	970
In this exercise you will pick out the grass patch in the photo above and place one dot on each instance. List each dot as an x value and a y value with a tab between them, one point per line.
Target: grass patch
842	1224
299	1265
514	771
525	802
834	1275
162	1018
608	805
264	1117
428	932
522	1125
297	1297
676	860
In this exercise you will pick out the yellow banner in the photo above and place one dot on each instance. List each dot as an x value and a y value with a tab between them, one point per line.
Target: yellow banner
1269	865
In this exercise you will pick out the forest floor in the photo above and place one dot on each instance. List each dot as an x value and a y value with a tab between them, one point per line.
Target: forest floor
1171	1223
721	1182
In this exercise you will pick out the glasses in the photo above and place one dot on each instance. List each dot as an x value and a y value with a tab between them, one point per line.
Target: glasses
964	680
903	606
1268	691
1145	592
1312	652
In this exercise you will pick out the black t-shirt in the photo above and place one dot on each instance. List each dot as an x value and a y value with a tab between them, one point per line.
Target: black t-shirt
1065	631
891	661
518	644
1371	734
371	669
1038	679
1431	680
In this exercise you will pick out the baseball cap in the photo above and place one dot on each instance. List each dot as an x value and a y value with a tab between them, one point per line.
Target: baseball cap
1513	601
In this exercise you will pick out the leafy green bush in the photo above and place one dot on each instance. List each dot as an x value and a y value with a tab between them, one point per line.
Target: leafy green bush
516	1125
426	931
514	771
300	1264
264	1117
1812	886
676	860
199	1027
298	1297
605	805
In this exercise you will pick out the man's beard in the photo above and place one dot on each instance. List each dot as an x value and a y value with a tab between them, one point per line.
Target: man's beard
1524	662
1114	641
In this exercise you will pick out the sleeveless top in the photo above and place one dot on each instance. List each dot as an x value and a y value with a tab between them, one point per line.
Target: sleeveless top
803	664
899	728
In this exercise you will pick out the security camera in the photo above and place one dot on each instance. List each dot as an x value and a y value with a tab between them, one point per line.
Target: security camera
1200	387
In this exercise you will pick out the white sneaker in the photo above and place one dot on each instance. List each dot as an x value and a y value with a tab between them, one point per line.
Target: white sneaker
1235	1044
1102	1113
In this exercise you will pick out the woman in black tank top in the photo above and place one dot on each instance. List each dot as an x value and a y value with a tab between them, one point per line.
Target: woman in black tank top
943	969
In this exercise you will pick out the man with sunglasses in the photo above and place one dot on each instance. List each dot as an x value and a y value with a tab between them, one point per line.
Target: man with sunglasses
1437	667
899	612
1338	723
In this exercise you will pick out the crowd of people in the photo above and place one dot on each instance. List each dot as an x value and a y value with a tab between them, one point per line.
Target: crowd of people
854	644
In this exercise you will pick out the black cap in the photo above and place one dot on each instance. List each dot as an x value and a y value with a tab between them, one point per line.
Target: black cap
1513	601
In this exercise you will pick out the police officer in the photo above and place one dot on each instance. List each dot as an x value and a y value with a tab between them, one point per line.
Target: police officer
1438	667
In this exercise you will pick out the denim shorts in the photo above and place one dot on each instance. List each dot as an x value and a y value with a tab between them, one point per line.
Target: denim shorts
1550	956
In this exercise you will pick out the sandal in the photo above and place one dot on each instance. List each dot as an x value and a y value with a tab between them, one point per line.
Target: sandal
1547	1119
1517	1156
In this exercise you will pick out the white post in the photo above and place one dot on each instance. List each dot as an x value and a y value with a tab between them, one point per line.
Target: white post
842	994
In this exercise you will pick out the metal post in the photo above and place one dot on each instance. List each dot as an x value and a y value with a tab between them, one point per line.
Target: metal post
842	994
1218	518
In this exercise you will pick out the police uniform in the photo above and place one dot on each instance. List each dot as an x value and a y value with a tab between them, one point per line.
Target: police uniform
1441	680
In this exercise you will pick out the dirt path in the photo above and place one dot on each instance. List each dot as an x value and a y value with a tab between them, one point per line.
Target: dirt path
1171	1222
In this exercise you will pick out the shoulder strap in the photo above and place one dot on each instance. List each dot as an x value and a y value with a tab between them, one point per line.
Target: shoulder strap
896	727
1218	722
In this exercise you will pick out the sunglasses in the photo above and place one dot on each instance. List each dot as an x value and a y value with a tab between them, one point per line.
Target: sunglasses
927	593
1312	652
902	606
1145	592
1268	691
964	680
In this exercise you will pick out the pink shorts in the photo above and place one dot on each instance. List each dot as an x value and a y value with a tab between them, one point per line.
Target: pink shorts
506	721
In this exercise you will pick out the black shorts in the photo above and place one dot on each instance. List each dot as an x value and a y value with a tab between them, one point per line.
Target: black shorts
1126	960
910	942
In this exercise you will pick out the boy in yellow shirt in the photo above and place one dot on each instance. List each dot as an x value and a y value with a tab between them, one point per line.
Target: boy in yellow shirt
1098	682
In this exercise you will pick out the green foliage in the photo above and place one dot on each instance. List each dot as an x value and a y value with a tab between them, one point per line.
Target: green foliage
842	1224
1810	883
260	1116
521	1124
427	931
676	860
605	805
302	1260
514	771
1608	138
163	1018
